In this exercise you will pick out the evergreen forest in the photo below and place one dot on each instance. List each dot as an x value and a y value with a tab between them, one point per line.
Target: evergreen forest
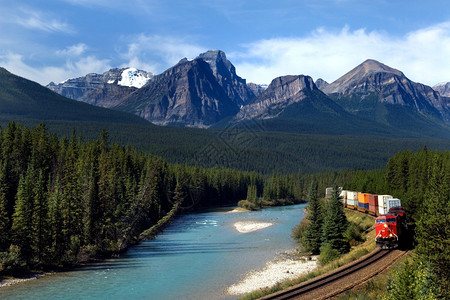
64	201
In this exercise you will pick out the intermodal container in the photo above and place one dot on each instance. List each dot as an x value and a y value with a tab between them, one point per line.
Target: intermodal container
373	200
328	192
393	202
363	198
363	205
352	196
382	203
352	202
373	203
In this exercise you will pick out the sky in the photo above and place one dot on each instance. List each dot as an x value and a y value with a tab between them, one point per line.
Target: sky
54	40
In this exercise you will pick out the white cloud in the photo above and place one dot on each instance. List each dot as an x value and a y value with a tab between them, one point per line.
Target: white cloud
421	55
70	69
33	19
74	50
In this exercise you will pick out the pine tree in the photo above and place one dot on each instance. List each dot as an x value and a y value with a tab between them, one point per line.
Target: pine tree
56	221
252	195
22	226
40	223
312	237
5	218
335	224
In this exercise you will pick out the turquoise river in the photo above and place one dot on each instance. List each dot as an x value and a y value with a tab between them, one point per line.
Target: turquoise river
197	257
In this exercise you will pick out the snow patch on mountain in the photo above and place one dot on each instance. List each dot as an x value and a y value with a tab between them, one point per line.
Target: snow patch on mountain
132	77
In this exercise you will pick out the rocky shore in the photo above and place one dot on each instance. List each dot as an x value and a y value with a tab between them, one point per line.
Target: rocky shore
12	281
288	266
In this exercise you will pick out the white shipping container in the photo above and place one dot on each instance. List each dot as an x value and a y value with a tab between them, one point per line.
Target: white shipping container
352	196
352	202
382	203
394	202
343	194
328	192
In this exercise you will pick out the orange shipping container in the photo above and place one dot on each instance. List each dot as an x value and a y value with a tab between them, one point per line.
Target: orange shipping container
363	198
360	197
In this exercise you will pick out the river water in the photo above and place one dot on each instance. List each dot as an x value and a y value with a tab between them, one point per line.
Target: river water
197	257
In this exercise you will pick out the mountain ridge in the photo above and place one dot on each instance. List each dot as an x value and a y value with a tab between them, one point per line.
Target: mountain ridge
391	86
190	94
281	92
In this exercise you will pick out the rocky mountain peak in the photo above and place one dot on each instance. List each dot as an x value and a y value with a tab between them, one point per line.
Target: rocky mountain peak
217	59
320	83
372	66
225	73
374	80
369	68
281	92
443	88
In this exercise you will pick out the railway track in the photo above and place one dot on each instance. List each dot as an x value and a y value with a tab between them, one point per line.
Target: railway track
330	284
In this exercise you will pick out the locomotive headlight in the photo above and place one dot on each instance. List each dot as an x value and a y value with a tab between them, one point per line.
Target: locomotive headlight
385	225
390	235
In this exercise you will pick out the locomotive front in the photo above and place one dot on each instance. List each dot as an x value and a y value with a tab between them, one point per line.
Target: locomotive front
387	232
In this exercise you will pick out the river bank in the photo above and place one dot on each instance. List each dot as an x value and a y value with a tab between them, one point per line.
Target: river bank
12	281
198	256
287	266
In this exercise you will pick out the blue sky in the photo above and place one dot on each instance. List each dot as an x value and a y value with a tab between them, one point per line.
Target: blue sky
53	40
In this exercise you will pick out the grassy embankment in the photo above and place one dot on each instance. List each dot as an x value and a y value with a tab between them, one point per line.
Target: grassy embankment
364	223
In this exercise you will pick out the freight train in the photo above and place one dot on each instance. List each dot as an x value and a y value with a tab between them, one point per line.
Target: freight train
390	224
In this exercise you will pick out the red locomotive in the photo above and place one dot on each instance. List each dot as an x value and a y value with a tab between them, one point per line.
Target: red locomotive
390	228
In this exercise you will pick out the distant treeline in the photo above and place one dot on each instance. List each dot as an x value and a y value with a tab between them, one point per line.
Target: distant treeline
248	150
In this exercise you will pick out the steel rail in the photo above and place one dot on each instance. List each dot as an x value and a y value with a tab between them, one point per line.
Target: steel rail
325	280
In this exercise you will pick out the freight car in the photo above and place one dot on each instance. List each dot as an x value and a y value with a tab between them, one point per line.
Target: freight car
374	205
363	202
390	224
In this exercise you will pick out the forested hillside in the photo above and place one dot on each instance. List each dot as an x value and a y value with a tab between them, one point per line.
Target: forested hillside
422	181
63	200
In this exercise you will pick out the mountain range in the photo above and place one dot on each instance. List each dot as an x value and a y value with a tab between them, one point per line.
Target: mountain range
287	126
207	92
